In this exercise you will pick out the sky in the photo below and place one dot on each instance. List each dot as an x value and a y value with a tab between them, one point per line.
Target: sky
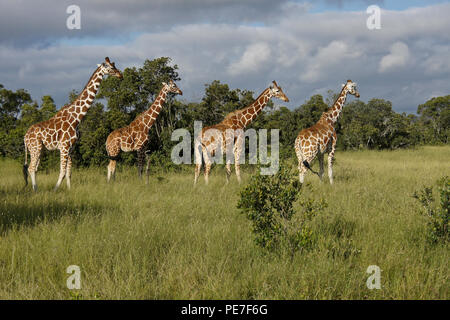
308	47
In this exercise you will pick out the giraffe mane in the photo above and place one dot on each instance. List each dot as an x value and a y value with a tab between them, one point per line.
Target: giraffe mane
92	75
260	95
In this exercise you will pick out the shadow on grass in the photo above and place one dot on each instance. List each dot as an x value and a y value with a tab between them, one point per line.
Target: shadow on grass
16	216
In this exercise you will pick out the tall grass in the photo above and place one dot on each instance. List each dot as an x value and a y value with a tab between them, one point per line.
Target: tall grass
167	240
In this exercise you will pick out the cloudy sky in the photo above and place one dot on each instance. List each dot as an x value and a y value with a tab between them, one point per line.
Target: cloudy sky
308	47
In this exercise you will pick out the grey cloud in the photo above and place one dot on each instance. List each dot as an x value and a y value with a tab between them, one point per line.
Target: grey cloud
306	55
43	22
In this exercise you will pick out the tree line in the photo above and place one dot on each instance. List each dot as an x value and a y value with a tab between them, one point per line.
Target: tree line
371	125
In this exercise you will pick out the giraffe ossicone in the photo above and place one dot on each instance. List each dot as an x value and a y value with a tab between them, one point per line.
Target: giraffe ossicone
315	141
217	138
134	137
61	131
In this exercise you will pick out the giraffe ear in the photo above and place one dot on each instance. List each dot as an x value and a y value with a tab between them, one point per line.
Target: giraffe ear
107	59
164	84
98	65
343	85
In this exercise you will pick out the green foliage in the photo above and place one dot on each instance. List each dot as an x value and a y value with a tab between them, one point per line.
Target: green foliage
437	213
268	202
90	149
219	100
167	240
291	122
372	125
375	125
435	118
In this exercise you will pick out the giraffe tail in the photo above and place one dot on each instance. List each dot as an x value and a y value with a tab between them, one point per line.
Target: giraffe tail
25	166
306	164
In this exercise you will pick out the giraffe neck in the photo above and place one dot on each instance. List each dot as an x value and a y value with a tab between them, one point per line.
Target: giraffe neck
149	116
335	111
87	96
249	113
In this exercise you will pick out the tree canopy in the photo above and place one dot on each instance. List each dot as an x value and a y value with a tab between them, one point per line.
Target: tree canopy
373	125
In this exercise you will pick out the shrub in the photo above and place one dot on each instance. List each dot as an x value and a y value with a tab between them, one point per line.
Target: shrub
268	202
437	213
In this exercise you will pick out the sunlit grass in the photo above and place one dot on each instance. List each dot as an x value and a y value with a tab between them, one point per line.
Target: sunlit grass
167	240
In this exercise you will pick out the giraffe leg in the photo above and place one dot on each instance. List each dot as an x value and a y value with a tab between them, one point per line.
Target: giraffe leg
208	164
197	172
321	170
237	158
228	168
301	166
34	163
330	161
237	168
198	158
62	170
112	170
225	145
68	171
147	169
141	159
330	166
207	170
302	172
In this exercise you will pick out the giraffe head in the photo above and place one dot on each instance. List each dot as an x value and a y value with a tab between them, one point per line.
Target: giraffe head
277	92
350	86
109	68
172	87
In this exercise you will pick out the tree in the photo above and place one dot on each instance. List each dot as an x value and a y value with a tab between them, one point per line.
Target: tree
311	111
48	107
11	104
435	117
376	125
90	149
129	97
219	100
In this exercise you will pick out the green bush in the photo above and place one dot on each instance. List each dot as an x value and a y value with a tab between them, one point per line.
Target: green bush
437	213
268	202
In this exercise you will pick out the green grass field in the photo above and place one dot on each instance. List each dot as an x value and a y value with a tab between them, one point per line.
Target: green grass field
167	240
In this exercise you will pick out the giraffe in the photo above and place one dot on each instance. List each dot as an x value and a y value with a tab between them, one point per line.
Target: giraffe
321	137
134	137
61	131
230	130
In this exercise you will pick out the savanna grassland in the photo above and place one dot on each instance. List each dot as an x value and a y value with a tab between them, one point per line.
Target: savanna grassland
167	240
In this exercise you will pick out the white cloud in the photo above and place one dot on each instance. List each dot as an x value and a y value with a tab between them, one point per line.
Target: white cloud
336	53
301	51
398	57
252	60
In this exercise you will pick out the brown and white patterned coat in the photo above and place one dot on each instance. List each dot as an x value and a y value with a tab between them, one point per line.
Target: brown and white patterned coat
134	137
321	137
230	131
61	131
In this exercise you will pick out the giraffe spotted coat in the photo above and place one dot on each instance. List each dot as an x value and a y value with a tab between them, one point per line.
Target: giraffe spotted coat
61	131
321	138
229	132
134	137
